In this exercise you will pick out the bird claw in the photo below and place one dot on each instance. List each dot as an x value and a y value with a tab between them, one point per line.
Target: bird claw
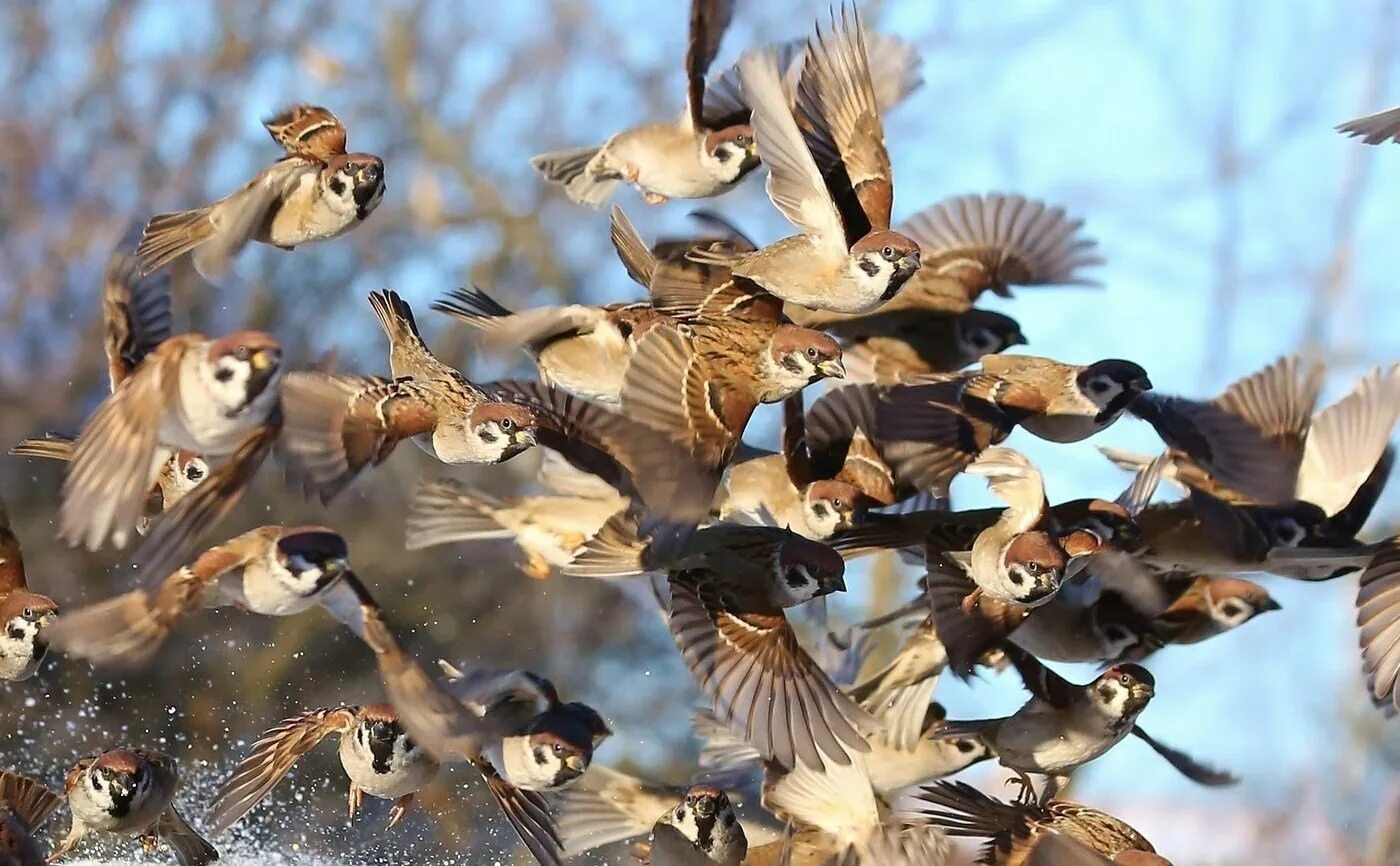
535	566
1023	781
149	844
399	810
654	198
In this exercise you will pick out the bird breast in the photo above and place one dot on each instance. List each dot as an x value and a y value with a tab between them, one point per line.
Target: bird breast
306	214
387	776
266	589
667	159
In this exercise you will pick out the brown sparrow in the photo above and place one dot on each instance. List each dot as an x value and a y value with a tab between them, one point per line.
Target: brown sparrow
847	258
1055	401
702	830
271	570
337	425
607	806
704	153
1064	726
813	495
131	792
317	191
743	652
378	756
702	385
1374	128
136	319
835	818
24	807
511	726
1265	449
548	529
1015	831
25	616
1204	606
217	398
584	350
889	346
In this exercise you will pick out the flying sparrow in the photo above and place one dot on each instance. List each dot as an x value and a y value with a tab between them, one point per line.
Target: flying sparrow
317	191
1204	607
24	807
968	245
1374	128
1055	401
25	616
511	726
215	397
584	350
701	830
1266	447
378	756
705	152
1015	830
743	652
815	495
337	425
131	792
271	570
548	529
702	385
607	806
758	554
1064	726
836	818
847	258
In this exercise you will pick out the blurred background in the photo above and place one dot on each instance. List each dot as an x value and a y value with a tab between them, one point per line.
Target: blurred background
1195	139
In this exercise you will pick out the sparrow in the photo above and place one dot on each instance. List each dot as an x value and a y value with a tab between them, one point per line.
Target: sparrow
583	349
1204	606
703	153
761	554
608	806
131	792
271	570
1055	401
25	616
316	192
1249	439
743	653
802	491
701	830
1262	444
336	425
549	530
1374	128
1064	725
1015	831
25	805
378	756
835	185
509	725
835	818
219	398
968	245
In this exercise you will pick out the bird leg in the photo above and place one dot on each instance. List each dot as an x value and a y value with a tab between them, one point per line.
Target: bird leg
654	198
1023	781
1054	784
149	843
535	566
399	809
76	832
357	799
969	603
631	172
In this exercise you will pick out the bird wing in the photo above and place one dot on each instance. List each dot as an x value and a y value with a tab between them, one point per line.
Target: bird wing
136	315
708	21
271	758
795	184
308	131
1346	440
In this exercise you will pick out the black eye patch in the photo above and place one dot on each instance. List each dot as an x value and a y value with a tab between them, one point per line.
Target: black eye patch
224	375
337	185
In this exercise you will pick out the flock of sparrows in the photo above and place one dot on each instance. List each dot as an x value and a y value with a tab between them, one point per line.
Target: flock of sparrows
812	754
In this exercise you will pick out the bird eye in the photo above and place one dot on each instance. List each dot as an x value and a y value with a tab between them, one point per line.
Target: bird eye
743	140
29	613
1125	679
812	352
838	504
887	252
507	424
558	749
1033	567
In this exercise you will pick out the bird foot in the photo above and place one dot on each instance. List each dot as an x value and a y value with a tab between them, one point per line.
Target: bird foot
654	198
400	809
536	567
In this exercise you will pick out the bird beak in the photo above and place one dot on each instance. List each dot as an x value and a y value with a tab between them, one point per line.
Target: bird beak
705	806
336	565
837	584
265	359
1143	690
1269	604
525	437
576	763
1142	383
832	369
1018	339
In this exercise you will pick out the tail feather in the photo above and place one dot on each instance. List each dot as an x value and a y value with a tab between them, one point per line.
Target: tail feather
52	446
962	810
120	633
636	256
572	169
448	511
473	307
395	315
170	235
191	849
